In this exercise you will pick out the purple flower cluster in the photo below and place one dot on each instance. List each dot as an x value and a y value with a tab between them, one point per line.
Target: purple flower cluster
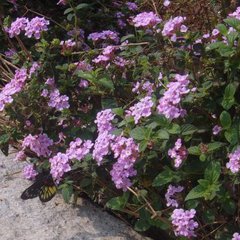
102	143
84	66
179	153
10	53
103	120
102	146
183	222
17	26
172	26
68	44
59	165
236	236
146	87
120	62
104	35
132	6
120	20
106	56
171	191
126	152
141	109
34	68
33	27
83	83
36	26
146	20
216	129
39	144
58	101
14	86
169	103
29	172
234	161
78	149
21	156
235	14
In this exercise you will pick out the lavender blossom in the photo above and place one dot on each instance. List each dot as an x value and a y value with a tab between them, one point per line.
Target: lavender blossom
183	222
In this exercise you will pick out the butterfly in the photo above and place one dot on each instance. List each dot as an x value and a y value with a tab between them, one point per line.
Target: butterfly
43	187
198	49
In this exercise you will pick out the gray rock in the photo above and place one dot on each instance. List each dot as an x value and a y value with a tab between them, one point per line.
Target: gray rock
55	220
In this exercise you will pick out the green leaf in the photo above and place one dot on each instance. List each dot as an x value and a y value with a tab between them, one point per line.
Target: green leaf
228	98
233	22
174	129
162	134
188	129
231	37
118	203
82	5
164	225
138	133
209	215
70	16
4	138
195	150
192	203
143	145
222	28
129	36
196	192
68	10
204	189
142	225
229	91
107	83
225	119
216	45
165	177
108	103
86	182
214	146
232	136
213	172
67	191
118	111
85	75
161	120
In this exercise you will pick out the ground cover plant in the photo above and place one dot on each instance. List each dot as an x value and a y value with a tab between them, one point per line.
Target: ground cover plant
135	104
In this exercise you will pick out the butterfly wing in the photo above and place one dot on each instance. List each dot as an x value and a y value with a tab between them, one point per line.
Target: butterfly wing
32	191
46	193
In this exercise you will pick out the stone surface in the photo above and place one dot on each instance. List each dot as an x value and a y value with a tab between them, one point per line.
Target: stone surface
54	220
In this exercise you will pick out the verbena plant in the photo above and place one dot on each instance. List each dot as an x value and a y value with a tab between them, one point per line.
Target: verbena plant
136	106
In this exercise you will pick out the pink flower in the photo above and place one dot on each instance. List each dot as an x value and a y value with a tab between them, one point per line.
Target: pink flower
183	223
169	103
171	191
142	109
39	144
146	19
216	129
17	26
29	172
236	236
179	153
234	161
59	165
36	26
166	3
